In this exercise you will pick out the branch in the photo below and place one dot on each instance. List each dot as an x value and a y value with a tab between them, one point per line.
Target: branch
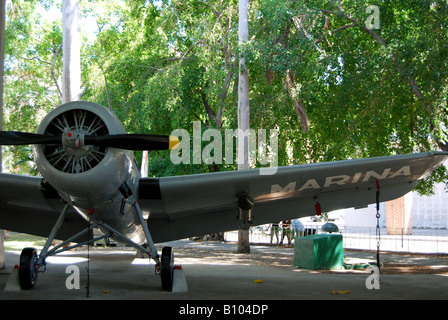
53	64
222	97
300	109
216	13
342	28
107	92
355	23
411	81
330	12
197	117
401	70
36	58
146	74
304	34
210	112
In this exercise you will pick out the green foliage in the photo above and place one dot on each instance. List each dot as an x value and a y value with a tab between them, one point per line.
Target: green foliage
30	92
333	88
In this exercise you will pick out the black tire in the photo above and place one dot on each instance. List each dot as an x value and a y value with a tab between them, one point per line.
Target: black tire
27	270
167	268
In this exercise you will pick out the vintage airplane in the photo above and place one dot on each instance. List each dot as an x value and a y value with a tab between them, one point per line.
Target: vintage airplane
90	180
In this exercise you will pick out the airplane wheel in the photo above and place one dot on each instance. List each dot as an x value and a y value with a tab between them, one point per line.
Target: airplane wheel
167	268
27	270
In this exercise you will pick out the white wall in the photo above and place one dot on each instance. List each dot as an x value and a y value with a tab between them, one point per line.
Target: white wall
431	212
428	212
365	217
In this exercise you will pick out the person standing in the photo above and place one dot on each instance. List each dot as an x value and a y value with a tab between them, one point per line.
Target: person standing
286	231
275	227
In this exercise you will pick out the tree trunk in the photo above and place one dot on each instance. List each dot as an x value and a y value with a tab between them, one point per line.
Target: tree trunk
300	109
243	112
2	70
2	58
71	51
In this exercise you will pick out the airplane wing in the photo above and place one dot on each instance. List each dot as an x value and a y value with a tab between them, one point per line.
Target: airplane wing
30	205
185	206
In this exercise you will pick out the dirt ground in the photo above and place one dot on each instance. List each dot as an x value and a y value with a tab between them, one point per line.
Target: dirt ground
392	263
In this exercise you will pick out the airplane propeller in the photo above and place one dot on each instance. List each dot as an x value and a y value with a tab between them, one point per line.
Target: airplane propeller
77	139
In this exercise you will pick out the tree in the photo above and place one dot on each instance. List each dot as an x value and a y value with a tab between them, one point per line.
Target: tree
335	86
71	76
364	91
243	112
33	66
318	74
168	65
2	57
403	48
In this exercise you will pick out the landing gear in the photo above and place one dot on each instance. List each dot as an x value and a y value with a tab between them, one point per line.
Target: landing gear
165	264
167	268
31	263
27	269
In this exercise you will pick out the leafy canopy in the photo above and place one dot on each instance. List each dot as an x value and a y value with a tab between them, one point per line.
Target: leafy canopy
334	88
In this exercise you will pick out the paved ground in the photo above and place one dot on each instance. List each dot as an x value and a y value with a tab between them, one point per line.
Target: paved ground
215	272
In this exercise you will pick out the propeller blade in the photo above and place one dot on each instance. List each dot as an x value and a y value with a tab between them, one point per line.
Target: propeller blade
119	141
23	138
134	141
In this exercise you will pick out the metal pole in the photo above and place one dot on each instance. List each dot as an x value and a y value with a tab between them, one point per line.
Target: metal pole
79	234
124	238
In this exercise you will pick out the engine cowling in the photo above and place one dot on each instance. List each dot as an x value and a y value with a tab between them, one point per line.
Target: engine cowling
87	176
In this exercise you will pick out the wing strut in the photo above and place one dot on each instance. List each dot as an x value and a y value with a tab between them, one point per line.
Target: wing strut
31	264
54	231
152	249
165	264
